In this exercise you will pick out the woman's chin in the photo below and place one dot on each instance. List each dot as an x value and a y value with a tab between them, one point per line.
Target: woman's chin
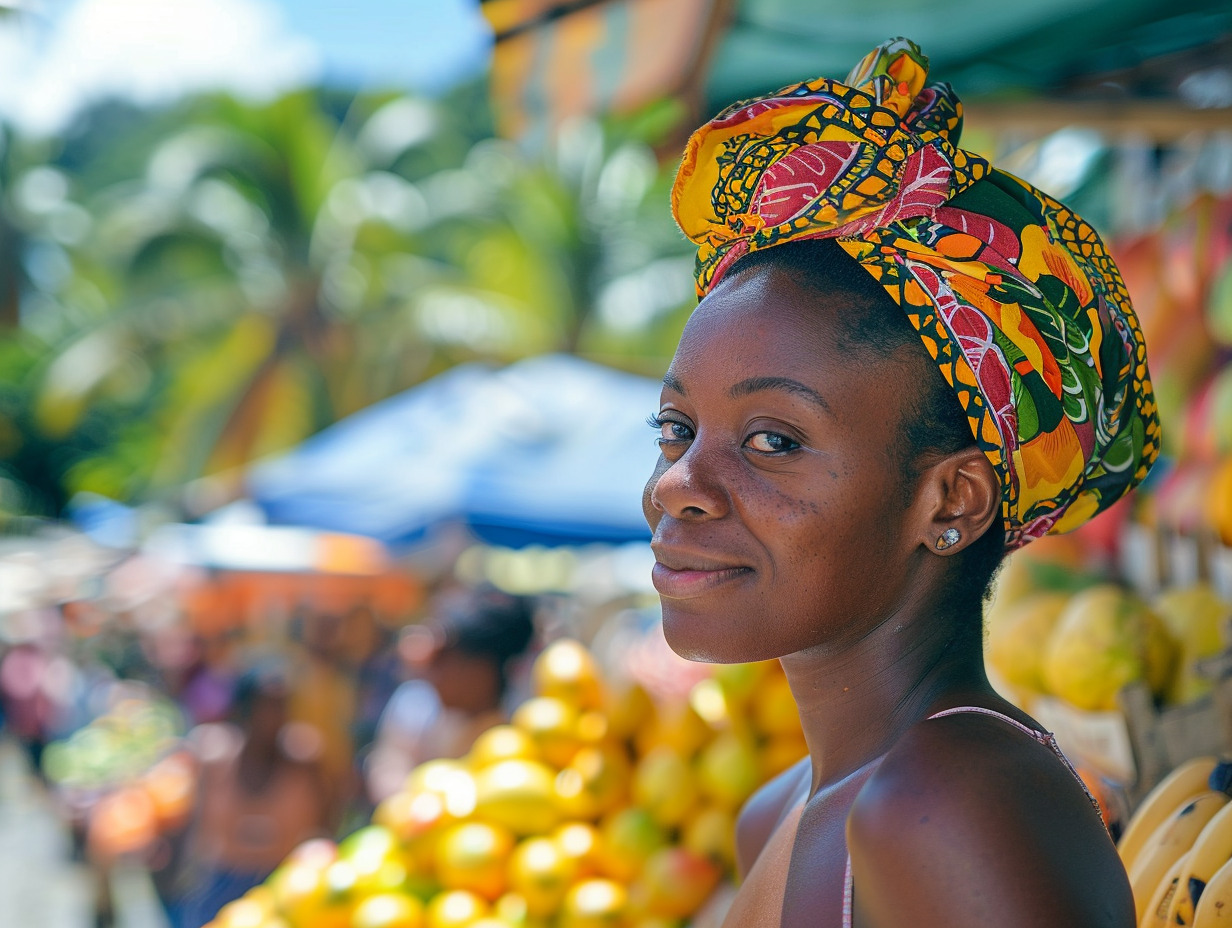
698	637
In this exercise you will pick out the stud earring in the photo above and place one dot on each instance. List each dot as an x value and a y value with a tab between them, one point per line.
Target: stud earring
948	538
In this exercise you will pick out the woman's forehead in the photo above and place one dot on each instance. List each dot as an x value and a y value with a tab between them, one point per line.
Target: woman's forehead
762	324
763	316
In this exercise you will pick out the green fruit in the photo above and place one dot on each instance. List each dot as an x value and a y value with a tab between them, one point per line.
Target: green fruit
1016	641
1105	639
1196	617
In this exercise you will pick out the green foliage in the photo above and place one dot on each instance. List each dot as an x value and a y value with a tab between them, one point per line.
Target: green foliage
199	285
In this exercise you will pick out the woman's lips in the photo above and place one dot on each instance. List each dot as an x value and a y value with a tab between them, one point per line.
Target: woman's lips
685	583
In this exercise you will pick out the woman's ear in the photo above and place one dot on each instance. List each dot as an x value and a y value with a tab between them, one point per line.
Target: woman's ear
960	497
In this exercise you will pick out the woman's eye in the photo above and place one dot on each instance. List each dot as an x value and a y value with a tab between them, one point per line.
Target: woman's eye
675	431
670	430
771	443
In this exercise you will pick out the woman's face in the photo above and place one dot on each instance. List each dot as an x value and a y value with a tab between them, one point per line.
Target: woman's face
778	508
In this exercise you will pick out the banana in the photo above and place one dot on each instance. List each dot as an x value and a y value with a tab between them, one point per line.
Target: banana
1211	850
1172	839
1215	906
1178	787
1155	913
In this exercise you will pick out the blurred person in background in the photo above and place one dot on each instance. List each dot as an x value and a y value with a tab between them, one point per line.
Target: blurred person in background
28	707
323	696
39	685
377	665
461	661
205	689
373	657
261	792
191	670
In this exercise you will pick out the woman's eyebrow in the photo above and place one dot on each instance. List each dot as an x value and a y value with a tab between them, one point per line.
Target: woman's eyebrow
786	384
670	381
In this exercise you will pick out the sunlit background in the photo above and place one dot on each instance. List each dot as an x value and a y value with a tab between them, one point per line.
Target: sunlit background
230	223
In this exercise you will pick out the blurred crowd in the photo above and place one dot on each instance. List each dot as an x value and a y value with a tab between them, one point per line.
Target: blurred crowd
207	757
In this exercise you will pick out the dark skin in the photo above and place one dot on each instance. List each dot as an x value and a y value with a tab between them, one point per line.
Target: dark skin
262	756
784	527
470	683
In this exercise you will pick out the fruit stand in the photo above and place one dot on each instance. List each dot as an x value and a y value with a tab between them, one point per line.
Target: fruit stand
1132	686
597	805
124	779
1119	639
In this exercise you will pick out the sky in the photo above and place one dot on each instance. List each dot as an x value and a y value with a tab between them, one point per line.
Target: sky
60	54
423	43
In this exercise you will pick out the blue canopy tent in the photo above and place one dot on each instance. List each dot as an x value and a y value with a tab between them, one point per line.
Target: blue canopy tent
552	450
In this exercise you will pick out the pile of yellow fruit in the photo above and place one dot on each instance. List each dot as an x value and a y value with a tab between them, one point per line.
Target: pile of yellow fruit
593	808
1085	646
1177	848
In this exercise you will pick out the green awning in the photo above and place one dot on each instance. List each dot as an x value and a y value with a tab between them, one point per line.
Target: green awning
560	58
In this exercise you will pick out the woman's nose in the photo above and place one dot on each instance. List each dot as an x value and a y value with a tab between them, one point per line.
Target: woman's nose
688	488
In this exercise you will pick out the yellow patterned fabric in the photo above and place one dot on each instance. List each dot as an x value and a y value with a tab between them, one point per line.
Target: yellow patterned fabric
1013	295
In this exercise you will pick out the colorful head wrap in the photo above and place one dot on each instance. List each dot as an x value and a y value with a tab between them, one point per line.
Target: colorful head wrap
1013	295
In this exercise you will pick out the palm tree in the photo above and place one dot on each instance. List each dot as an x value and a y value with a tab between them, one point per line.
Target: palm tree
575	252
240	275
243	265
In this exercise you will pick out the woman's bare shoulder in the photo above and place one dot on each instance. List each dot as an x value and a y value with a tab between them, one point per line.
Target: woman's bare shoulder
766	808
969	821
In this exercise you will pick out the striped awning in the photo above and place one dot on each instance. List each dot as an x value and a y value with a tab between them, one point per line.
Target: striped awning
555	61
558	59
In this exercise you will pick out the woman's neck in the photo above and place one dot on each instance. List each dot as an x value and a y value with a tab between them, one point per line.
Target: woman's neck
856	700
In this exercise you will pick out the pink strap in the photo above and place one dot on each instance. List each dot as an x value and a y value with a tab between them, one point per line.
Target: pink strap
1043	737
848	894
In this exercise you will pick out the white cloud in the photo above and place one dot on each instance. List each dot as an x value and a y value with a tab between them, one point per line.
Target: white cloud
147	51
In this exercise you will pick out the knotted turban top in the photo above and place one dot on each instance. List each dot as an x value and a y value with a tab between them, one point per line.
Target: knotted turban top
1014	296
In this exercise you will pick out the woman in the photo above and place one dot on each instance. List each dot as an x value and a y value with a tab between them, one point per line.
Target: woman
261	793
831	495
460	661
